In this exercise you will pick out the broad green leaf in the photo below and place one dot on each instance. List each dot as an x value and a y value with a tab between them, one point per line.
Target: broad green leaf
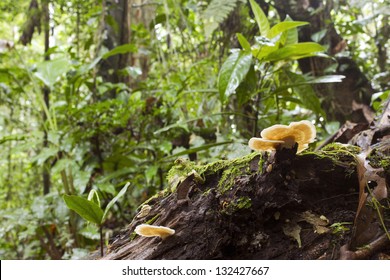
260	18
81	179
120	50
263	51
45	154
306	94
243	42
264	46
115	199
284	26
61	165
247	88
49	71
232	72
88	210
291	34
317	37
107	187
295	51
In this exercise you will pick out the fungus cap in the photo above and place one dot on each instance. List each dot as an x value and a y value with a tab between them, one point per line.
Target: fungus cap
151	231
302	132
261	144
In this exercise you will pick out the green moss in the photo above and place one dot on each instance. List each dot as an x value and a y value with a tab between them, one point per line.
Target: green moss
379	159
152	220
229	170
344	148
340	154
240	203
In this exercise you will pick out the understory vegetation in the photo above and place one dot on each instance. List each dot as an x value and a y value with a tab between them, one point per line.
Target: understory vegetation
97	104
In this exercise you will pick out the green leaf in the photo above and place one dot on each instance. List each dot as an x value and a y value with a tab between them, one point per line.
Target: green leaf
306	94
317	37
247	88
295	51
243	42
198	149
90	232
233	72
284	26
326	79
115	199
107	187
88	210
150	173
291	34
260	18
49	71
45	154
120	50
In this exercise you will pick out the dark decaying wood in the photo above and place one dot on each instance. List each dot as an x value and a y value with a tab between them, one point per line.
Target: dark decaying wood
271	212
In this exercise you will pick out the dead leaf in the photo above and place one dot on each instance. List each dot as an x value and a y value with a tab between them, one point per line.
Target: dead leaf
292	229
319	222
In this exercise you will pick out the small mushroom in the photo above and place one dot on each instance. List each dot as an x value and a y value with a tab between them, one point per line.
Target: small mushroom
145	209
151	231
302	132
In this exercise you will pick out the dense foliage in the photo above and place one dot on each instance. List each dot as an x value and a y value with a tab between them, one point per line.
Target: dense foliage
199	79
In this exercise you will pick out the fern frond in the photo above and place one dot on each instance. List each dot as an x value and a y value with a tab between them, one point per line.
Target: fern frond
219	10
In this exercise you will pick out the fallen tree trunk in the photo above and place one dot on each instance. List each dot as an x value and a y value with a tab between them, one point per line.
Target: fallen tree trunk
268	206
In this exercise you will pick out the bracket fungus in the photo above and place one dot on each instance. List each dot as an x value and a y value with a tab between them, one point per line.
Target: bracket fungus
151	231
285	136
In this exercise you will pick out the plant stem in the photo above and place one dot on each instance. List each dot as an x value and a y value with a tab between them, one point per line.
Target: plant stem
101	240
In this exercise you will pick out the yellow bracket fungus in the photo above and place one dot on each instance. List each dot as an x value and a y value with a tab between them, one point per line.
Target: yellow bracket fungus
285	136
151	231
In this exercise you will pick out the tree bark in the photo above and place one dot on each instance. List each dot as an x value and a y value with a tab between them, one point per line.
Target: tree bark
270	206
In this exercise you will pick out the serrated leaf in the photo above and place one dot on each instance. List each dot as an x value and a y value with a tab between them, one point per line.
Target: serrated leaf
120	50
295	51
49	71
243	42
114	200
88	210
233	72
284	26
260	18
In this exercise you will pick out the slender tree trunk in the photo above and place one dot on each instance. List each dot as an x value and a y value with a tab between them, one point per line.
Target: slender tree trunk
46	94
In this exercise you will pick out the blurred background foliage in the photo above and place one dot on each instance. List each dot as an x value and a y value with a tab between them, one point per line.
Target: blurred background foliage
95	94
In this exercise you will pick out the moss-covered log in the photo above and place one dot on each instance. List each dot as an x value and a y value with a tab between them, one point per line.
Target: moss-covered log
327	204
262	206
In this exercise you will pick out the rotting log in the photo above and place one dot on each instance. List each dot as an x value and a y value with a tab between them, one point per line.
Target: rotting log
263	206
